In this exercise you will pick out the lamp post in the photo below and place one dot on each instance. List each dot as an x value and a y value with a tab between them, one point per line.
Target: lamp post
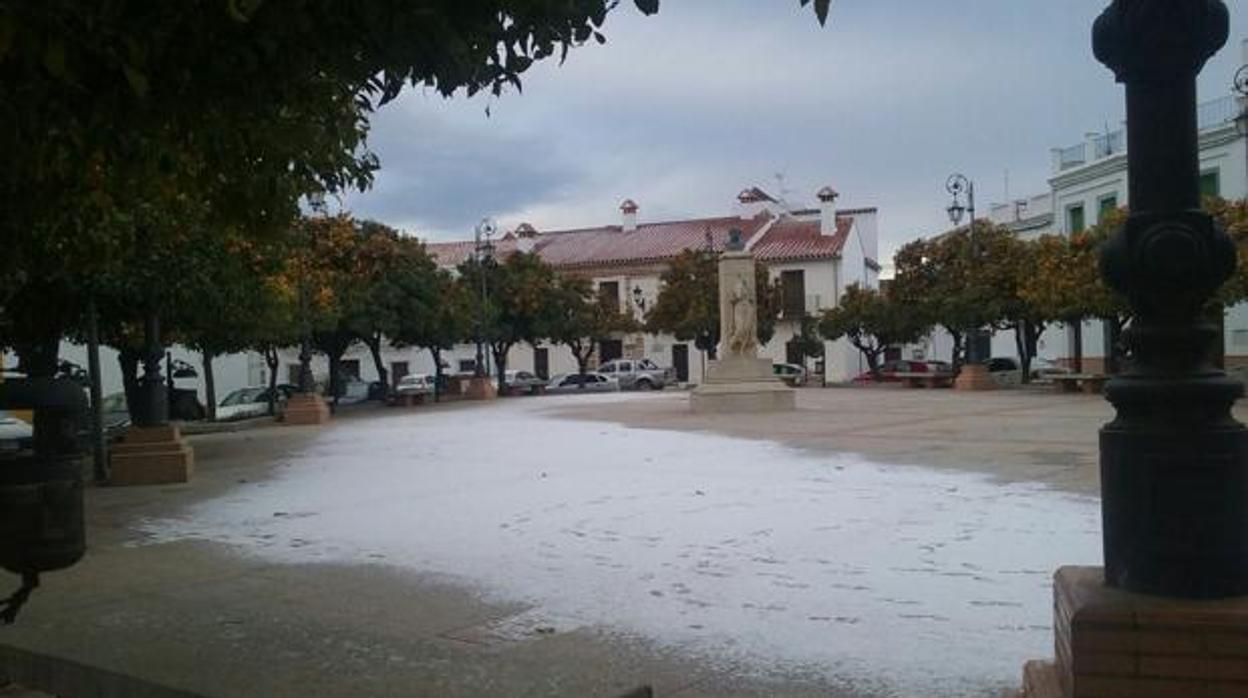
958	186
483	249
1174	462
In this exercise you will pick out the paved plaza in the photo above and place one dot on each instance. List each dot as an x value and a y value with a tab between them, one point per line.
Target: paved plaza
878	542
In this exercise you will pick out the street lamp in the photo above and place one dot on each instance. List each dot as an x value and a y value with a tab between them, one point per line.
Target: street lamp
958	186
483	250
639	298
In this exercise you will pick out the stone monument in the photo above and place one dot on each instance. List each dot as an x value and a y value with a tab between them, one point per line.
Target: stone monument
740	381
1168	613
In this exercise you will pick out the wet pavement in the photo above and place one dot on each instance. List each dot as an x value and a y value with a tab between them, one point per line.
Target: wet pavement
506	549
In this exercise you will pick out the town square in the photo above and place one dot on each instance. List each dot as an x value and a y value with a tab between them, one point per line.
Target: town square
623	348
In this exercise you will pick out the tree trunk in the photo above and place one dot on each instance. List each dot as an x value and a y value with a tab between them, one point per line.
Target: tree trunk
383	376
271	360
1075	328
210	386
956	359
1020	345
436	353
500	364
128	361
335	388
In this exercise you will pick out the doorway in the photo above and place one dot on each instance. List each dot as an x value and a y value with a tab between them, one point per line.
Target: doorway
680	362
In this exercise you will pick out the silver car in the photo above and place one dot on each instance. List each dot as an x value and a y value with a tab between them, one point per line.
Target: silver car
637	374
592	383
523	382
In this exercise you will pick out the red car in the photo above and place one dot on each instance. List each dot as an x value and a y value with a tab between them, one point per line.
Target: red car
890	369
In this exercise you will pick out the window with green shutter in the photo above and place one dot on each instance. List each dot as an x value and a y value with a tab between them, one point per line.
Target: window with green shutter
1210	184
1106	207
1075	222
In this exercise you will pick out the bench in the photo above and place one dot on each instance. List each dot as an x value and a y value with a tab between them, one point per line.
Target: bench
1080	382
926	380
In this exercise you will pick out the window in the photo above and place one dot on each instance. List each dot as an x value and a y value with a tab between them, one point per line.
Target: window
1075	222
1106	206
626	367
793	293
647	365
607	368
1210	184
609	293
467	365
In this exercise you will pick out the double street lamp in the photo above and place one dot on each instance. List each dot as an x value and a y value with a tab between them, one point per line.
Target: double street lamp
960	186
483	251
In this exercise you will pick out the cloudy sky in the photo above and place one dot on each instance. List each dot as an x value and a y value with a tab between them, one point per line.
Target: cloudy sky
681	110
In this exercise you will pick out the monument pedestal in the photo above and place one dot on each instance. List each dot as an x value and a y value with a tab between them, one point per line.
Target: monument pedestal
742	385
1115	644
305	409
151	456
480	388
975	377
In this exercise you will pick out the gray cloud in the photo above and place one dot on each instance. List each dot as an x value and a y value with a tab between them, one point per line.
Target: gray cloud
681	110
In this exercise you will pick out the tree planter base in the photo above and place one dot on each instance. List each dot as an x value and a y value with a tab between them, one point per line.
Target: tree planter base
151	456
975	377
1112	644
480	389
305	409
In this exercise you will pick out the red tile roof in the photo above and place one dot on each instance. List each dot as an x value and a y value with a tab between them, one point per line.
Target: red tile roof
786	240
793	240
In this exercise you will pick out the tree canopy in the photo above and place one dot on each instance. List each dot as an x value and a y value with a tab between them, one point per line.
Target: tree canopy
873	321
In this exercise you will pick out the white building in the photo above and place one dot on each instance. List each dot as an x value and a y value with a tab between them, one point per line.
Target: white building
816	253
1088	179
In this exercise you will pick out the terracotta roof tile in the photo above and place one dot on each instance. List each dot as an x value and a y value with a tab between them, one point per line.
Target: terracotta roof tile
610	245
793	240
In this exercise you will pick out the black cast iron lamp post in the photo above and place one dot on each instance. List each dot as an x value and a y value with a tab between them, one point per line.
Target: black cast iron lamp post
484	249
1174	462
958	185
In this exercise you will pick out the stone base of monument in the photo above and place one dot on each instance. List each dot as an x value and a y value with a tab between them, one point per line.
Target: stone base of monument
480	389
975	377
151	456
742	385
305	409
1112	643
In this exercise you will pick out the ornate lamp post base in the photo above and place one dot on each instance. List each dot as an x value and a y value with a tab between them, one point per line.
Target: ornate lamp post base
1168	613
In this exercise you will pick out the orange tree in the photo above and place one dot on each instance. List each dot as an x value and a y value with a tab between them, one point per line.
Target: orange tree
872	321
435	314
954	281
580	319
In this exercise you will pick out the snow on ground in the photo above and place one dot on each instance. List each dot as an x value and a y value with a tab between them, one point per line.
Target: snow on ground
919	581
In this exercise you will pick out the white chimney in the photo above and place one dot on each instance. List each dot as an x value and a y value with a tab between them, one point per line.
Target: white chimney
629	209
750	204
827	210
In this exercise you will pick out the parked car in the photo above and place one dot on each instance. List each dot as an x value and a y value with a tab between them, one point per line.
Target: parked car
15	434
791	374
116	415
637	374
353	390
890	369
1005	370
939	367
1046	369
523	382
572	383
414	384
244	403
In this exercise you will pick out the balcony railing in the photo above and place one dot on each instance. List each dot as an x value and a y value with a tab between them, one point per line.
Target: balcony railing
1211	114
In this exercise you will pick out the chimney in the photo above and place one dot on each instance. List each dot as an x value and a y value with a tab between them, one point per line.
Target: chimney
629	209
749	203
827	210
